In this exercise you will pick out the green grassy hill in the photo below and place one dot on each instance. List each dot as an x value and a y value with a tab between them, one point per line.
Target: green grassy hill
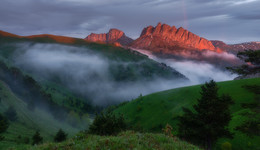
154	111
125	140
28	121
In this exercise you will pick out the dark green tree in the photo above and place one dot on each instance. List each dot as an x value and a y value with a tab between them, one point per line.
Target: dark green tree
37	139
252	66
251	126
209	118
11	114
3	125
107	124
60	136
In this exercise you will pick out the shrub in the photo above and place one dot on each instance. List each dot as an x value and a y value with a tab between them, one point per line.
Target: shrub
226	146
107	124
168	130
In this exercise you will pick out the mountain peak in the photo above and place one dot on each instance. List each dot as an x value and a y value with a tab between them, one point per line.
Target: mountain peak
114	36
163	37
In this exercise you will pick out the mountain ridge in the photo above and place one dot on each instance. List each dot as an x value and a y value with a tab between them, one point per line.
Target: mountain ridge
254	45
160	44
114	36
166	39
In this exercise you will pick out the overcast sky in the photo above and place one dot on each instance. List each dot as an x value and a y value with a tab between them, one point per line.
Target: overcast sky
231	21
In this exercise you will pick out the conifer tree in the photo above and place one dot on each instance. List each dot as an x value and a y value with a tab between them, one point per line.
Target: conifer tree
3	125
37	139
60	136
209	118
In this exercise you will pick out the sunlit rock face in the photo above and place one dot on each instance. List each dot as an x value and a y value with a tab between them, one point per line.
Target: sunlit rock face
164	38
114	36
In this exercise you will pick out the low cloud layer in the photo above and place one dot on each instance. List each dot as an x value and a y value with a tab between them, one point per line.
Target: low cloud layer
85	73
200	67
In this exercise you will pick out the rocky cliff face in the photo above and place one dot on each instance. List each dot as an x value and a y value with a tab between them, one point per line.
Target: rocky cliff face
167	39
114	36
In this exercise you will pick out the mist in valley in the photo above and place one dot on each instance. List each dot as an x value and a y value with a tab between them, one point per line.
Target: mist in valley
86	73
199	67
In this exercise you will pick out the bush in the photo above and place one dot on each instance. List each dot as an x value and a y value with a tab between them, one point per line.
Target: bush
107	124
168	130
226	146
60	136
26	140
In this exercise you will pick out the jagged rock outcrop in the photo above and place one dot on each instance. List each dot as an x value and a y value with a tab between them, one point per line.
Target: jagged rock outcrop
167	39
114	36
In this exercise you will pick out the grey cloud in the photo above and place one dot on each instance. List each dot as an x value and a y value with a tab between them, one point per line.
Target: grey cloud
81	17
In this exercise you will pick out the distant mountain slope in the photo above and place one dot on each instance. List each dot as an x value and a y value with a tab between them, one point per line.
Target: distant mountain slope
234	48
154	111
166	39
114	36
57	38
7	34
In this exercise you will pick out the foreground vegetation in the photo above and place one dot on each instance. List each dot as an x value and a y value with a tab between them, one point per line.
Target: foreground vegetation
124	140
152	112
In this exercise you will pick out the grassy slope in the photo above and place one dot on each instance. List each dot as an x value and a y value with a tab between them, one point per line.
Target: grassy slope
125	140
28	122
153	111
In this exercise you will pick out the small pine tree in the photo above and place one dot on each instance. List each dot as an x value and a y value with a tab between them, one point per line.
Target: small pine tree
3	125
37	139
209	120
11	114
60	136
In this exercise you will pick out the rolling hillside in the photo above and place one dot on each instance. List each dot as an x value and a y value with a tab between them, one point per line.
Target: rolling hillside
154	111
28	121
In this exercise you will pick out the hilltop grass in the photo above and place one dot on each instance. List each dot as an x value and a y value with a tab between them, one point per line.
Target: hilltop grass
154	111
124	140
28	122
